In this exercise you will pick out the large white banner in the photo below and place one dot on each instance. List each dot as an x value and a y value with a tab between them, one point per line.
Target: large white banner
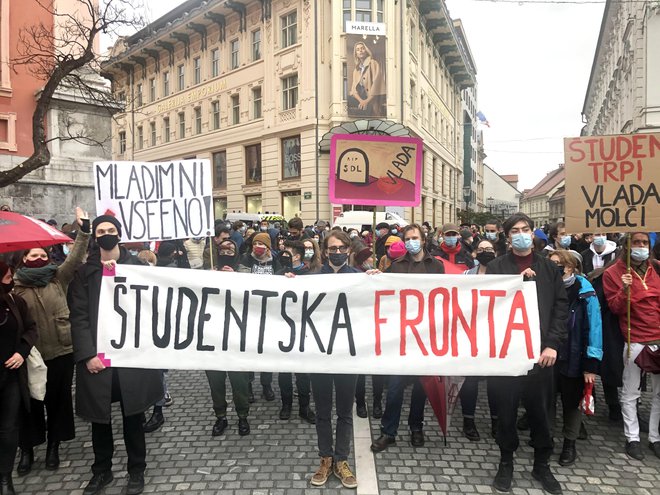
173	318
156	201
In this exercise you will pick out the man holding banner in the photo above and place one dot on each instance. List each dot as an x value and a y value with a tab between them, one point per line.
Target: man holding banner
98	385
535	388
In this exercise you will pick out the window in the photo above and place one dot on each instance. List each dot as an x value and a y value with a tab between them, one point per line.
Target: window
253	204
256	102
138	95
291	157
235	109
344	81
181	78
413	97
198	120
152	131
122	142
363	10
289	29
253	164
290	92
234	47
220	169
220	207
197	71
140	137
215	62
166	83
182	125
291	204
256	45
121	97
152	90
215	108
166	129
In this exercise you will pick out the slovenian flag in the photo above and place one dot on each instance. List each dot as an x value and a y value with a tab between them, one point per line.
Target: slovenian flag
482	118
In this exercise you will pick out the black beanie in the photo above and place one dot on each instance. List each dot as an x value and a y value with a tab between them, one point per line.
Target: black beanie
106	218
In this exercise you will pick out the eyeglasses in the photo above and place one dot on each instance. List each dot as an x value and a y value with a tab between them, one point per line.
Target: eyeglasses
338	249
485	250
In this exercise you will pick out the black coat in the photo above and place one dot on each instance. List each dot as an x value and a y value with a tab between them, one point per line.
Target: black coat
26	338
140	388
551	295
611	366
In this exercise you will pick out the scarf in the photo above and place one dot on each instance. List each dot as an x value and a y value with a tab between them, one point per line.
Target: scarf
37	277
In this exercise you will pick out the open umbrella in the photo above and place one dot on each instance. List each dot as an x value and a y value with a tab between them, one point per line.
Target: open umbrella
18	232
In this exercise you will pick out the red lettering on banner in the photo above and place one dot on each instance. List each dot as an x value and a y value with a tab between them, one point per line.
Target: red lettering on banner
411	323
470	330
518	305
575	147
377	319
492	294
439	291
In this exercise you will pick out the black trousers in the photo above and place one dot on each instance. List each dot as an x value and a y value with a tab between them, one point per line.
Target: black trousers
103	442
265	377
303	384
10	405
59	407
537	391
469	393
377	385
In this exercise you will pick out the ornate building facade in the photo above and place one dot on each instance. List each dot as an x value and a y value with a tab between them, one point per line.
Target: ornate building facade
258	86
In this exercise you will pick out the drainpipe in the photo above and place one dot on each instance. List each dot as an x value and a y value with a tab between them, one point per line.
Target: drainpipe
316	105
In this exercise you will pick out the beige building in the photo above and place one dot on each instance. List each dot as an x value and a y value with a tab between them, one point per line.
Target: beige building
535	202
255	86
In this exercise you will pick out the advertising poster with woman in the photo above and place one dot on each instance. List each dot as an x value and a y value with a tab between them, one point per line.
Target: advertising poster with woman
365	61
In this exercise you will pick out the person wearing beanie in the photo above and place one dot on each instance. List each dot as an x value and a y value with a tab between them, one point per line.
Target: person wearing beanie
395	249
96	386
382	233
18	334
43	285
415	260
259	260
364	259
452	249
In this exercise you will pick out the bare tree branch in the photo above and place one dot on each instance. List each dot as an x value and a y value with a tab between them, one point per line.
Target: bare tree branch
65	60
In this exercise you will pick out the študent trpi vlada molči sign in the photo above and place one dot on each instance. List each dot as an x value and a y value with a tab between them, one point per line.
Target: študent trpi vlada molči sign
612	183
169	318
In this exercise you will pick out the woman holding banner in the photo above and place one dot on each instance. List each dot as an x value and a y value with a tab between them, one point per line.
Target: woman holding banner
633	293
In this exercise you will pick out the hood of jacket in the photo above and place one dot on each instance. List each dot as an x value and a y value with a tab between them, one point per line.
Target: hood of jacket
610	247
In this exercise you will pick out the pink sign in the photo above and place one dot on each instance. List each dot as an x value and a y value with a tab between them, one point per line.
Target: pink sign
375	170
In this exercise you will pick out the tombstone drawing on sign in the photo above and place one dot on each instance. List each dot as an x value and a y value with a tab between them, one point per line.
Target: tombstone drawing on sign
353	166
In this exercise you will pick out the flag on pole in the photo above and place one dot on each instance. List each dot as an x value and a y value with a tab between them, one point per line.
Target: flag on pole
482	118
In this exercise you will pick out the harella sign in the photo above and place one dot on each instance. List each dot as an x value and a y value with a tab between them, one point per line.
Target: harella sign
368	28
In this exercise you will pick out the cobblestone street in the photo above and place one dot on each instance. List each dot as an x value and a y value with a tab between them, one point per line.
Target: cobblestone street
279	457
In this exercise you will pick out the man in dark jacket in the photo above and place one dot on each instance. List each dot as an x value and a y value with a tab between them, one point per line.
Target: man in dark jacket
452	248
382	233
536	388
416	260
97	386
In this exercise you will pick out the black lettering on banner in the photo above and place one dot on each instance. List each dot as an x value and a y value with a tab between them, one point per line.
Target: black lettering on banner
153	184
133	179
199	215
164	341
192	311
265	294
167	171
179	216
138	305
241	322
100	173
120	288
116	195
292	325
192	183
162	215
341	309
150	236
306	318
203	318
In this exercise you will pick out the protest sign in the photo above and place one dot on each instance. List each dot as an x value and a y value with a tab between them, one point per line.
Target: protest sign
612	183
157	201
375	170
168	318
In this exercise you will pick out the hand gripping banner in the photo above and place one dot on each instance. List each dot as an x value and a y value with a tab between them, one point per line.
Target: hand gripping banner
463	325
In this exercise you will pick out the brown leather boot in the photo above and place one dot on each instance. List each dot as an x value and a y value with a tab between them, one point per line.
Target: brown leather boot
323	472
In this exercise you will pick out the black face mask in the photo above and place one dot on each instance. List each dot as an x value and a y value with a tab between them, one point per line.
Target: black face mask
485	257
285	261
338	259
6	288
225	260
108	242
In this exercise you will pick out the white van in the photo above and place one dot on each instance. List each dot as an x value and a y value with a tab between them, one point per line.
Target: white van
363	220
254	219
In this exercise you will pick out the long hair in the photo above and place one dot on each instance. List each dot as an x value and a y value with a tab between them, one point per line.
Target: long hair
366	49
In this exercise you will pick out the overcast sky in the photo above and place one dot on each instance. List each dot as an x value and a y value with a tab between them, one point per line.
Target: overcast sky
533	64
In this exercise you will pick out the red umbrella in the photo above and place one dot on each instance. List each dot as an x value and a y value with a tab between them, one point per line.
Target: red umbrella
18	232
442	392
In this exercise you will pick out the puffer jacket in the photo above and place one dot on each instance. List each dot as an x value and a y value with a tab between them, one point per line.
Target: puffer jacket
48	306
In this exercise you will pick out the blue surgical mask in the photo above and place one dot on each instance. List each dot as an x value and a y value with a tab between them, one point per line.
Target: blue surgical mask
413	246
599	240
639	254
521	242
65	250
491	236
565	241
451	241
309	254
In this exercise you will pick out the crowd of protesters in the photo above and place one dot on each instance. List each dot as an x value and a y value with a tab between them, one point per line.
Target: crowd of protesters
49	299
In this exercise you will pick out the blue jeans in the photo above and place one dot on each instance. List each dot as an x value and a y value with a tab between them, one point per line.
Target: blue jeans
389	425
